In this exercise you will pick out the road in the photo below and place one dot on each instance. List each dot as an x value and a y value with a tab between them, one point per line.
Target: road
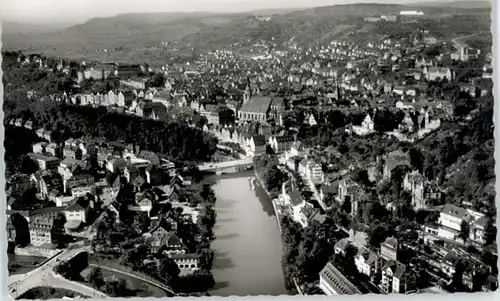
45	276
457	43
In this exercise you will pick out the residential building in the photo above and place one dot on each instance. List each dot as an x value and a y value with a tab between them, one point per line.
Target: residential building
341	246
78	180
41	231
397	278
75	212
433	73
39	148
281	144
311	170
347	188
389	249
45	162
366	262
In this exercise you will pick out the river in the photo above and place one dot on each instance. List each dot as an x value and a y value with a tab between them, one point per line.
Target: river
248	242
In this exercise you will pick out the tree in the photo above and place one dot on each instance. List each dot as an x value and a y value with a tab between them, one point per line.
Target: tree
57	232
115	287
464	230
377	235
144	222
96	278
490	231
168	270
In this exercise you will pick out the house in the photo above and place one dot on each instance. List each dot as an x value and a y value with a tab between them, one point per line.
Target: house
74	153
451	219
45	162
53	149
332	282
258	145
40	231
393	160
131	172
157	238
63	201
297	149
76	212
301	210
39	148
347	188
414	183
256	108
45	182
77	181
491	284
83	191
153	174
115	165
389	249
449	263
327	190
366	262
143	203
311	170
407	124
367	126
341	246
433	73
293	163
281	144
397	278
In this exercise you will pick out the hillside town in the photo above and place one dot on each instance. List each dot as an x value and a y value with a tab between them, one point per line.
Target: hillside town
375	154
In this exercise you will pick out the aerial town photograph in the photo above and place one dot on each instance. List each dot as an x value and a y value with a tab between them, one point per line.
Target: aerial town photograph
217	148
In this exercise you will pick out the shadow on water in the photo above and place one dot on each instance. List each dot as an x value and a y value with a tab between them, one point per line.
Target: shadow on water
225	205
226	220
220	284
264	199
227	236
223	263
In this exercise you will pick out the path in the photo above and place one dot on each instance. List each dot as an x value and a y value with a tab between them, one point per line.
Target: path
161	286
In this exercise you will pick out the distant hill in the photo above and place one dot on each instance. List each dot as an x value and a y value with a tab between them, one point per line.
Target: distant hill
138	37
466	4
14	28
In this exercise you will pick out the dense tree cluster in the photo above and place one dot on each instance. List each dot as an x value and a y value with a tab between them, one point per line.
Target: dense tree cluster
272	178
175	140
16	150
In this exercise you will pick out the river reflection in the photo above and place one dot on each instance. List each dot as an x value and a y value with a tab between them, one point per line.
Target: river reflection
248	244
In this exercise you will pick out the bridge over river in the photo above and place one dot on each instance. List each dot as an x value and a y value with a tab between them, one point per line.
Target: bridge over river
226	165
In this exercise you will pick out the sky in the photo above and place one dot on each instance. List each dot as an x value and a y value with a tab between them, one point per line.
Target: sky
55	11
